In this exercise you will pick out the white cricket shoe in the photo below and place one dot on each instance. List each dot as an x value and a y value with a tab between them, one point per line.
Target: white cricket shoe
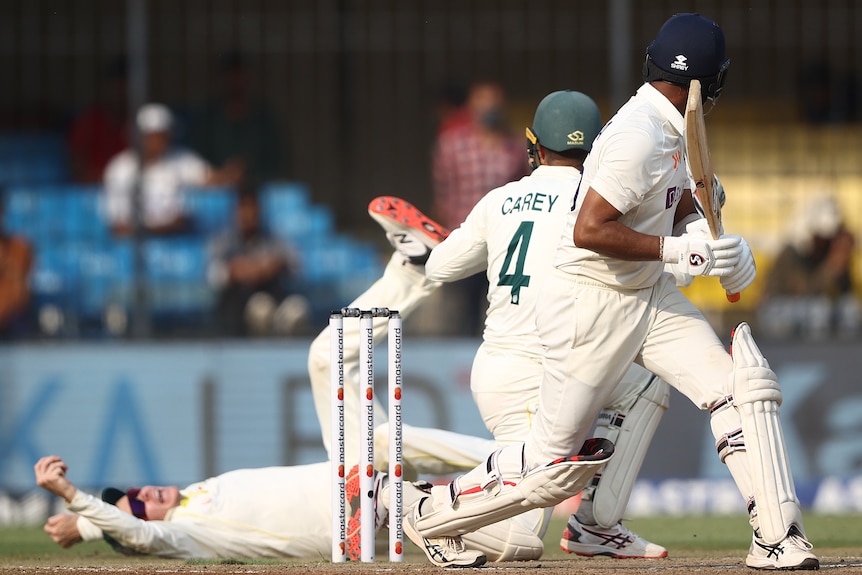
411	233
441	551
618	542
793	553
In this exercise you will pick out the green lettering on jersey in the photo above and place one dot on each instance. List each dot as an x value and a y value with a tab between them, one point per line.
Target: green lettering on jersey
521	242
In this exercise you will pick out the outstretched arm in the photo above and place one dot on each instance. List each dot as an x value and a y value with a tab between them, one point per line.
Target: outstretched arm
63	529
51	476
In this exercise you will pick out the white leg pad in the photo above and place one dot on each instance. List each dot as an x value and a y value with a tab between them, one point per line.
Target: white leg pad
630	423
757	396
466	504
515	539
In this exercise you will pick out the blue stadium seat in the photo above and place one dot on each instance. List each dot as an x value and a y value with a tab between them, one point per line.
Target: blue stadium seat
212	209
85	219
176	259
21	209
52	213
55	278
106	272
302	227
335	269
283	206
339	259
177	277
284	195
32	159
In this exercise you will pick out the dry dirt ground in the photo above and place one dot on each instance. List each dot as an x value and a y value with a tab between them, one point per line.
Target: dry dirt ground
718	565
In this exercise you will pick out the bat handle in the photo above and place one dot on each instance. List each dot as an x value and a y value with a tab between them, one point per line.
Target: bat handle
733	297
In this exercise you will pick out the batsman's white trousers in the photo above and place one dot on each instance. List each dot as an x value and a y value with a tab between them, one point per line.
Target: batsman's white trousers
592	332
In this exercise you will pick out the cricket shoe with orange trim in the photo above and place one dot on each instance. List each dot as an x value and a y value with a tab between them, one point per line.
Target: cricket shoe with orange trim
618	542
411	233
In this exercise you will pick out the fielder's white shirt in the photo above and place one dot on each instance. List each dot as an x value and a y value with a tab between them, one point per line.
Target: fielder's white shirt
161	185
637	164
271	512
513	233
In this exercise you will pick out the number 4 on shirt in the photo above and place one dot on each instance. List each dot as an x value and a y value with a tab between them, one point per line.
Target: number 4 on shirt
519	244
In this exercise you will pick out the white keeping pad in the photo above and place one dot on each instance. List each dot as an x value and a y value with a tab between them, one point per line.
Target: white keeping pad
476	506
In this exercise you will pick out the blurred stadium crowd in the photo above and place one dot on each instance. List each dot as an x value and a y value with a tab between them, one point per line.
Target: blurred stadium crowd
83	278
342	102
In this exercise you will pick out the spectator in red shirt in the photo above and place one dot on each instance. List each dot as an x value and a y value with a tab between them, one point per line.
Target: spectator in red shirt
472	156
475	156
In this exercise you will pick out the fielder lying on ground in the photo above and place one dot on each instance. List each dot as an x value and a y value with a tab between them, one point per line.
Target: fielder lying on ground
269	512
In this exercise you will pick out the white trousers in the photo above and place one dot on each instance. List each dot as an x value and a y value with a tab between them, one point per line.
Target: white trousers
592	333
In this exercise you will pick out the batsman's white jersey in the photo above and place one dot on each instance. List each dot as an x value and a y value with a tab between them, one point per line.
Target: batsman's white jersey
646	183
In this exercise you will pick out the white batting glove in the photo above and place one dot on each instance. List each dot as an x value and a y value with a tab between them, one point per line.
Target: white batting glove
702	257
681	278
698	228
743	273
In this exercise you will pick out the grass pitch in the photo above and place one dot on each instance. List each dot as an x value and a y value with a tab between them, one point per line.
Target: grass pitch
30	550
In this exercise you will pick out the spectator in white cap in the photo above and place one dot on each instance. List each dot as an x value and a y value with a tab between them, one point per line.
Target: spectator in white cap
162	170
809	291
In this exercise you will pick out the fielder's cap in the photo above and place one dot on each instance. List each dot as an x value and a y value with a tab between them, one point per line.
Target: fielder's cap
689	45
566	120
154	118
112	495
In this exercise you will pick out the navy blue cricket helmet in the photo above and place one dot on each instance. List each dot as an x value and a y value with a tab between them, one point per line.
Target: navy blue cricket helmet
688	46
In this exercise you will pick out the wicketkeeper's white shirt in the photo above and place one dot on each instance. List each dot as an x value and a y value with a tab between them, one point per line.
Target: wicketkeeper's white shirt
637	164
513	233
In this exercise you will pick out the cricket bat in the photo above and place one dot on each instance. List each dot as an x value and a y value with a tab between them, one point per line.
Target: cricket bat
697	150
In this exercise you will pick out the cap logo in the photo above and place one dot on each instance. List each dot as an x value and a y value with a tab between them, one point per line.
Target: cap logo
681	63
576	138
